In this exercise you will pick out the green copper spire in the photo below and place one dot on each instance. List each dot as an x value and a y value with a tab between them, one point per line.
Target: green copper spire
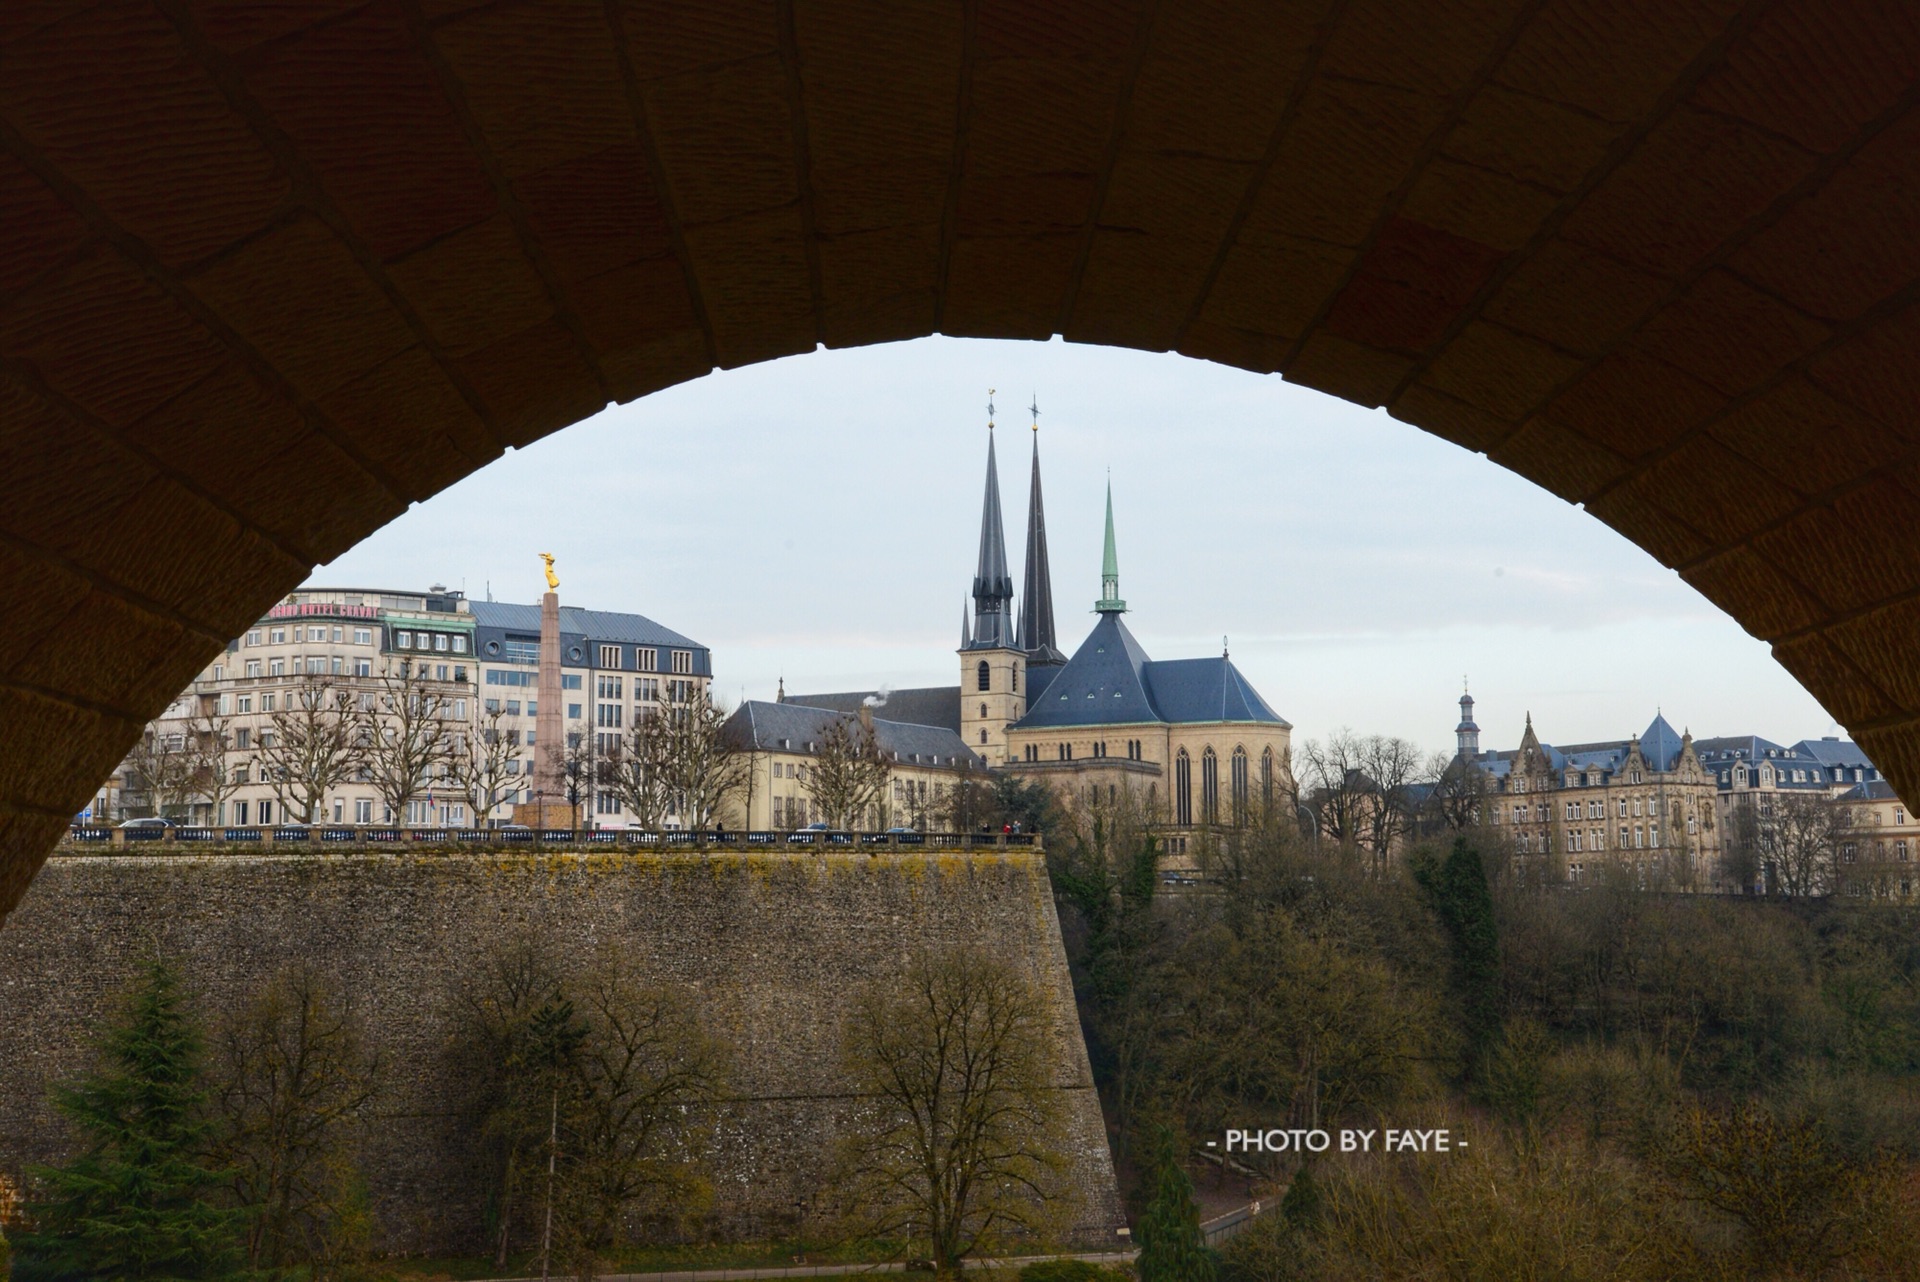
1110	602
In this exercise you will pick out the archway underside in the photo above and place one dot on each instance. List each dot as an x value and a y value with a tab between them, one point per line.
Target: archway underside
272	271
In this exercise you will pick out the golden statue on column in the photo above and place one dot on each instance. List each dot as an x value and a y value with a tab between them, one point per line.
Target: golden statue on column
553	580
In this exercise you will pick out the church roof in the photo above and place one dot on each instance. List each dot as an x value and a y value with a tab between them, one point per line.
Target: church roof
1111	681
790	727
921	706
1206	690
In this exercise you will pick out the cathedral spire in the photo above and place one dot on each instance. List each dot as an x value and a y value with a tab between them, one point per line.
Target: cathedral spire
1110	602
1467	734
1036	608
992	586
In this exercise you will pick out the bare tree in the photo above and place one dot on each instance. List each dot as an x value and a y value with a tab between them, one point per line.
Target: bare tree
577	770
309	747
485	762
1390	766
633	1115
160	767
1459	794
406	738
1337	789
705	768
848	774
1798	838
216	775
956	1145
638	771
295	1078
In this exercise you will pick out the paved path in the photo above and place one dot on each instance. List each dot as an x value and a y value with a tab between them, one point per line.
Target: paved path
828	1270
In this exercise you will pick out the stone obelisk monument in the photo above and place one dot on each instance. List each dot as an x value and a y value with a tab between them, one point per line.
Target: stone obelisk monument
550	745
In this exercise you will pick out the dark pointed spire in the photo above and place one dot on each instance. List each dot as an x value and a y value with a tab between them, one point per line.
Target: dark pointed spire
1036	609
992	586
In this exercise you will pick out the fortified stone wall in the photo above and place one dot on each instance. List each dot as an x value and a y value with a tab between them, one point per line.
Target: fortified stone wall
771	944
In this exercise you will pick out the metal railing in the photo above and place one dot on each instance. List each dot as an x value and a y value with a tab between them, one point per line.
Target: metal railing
335	837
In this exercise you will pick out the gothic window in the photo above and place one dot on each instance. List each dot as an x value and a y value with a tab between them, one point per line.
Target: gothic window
1209	787
1016	681
983	734
983	711
1266	779
1239	787
983	675
1183	789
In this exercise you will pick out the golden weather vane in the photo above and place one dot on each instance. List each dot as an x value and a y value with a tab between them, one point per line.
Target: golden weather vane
553	580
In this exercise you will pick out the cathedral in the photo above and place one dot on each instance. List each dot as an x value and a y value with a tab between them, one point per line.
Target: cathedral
1190	739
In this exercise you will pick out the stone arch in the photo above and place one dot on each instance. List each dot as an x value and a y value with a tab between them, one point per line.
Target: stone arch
1654	258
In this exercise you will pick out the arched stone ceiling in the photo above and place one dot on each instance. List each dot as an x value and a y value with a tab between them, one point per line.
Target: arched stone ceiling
270	270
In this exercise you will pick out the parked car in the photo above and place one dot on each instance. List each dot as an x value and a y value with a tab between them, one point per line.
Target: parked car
150	821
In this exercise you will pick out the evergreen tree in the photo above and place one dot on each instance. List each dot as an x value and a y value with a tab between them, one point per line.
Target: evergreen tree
139	1201
1456	888
1172	1248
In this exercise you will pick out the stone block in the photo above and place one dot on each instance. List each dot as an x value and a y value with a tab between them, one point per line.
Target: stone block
300	299
1576	298
1690	187
541	79
1728	334
113	99
1413	284
1816	72
391	156
473	288
1494	369
1753	589
533	383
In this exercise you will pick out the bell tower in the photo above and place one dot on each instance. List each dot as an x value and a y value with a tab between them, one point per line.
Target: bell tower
993	667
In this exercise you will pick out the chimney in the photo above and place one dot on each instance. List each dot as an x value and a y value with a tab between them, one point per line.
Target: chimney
866	718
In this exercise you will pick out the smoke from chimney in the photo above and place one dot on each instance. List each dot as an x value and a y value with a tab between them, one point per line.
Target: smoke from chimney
877	700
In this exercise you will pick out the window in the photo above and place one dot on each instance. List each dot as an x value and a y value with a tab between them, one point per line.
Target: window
253	668
267	702
1209	787
573	712
363	636
647	688
1182	789
1621	806
244	703
337	665
683	661
1626	838
253	637
266	812
983	712
610	687
276	667
460	709
1653	834
1240	789
1573	810
513	707
610	656
275	636
404	640
440	641
1016	680
243	738
646	660
1899	814
983	676
1266	772
983	734
609	716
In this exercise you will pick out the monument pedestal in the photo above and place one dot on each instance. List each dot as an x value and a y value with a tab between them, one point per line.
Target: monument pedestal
546	814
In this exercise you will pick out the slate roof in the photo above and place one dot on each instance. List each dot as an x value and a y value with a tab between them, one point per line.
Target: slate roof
921	706
1111	681
1877	790
789	727
1660	745
594	625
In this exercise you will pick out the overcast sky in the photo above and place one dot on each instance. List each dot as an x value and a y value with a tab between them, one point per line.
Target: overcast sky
818	518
